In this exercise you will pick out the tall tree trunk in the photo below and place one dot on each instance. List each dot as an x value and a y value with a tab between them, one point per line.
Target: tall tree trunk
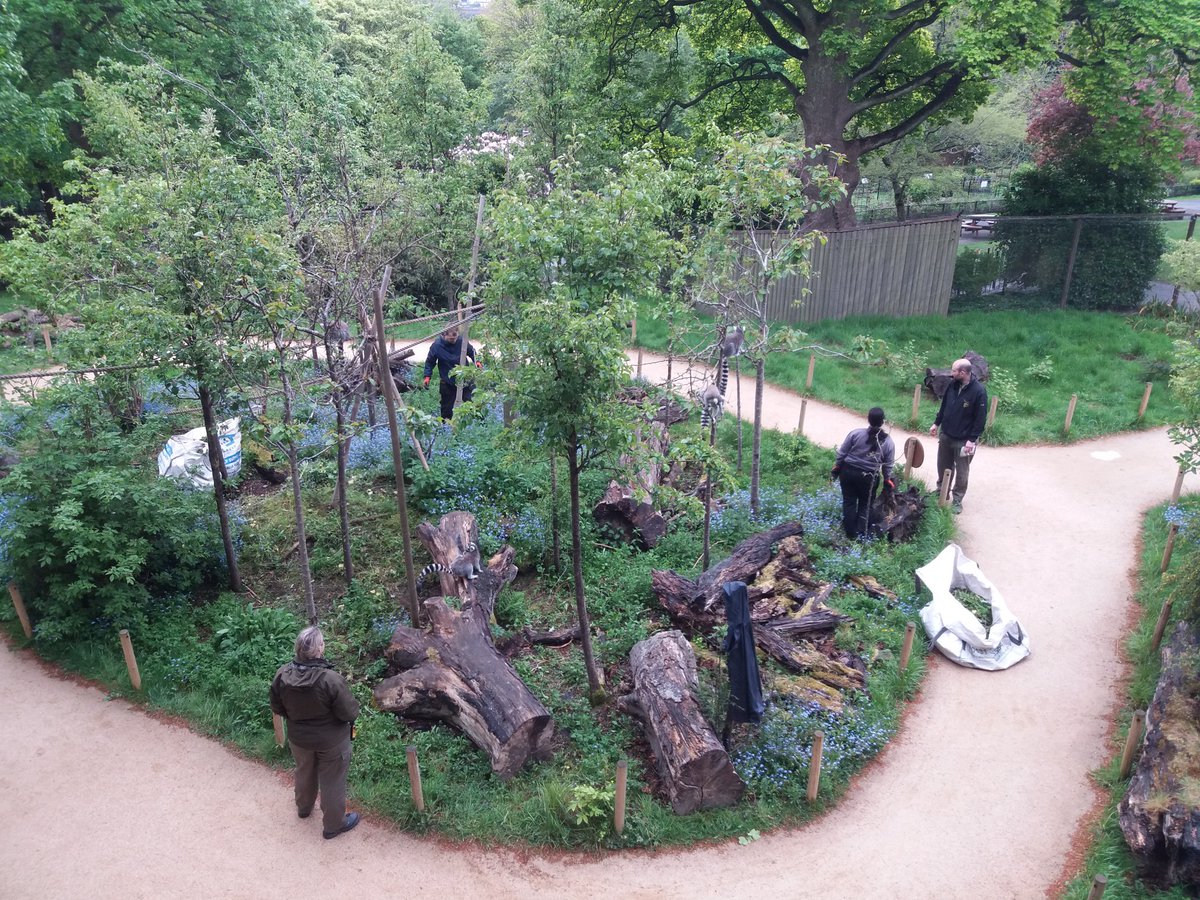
343	450
737	369
760	368
824	114
555	529
310	601
899	189
216	463
596	689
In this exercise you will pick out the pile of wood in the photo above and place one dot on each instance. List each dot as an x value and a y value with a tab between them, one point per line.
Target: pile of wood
898	514
937	380
28	322
788	605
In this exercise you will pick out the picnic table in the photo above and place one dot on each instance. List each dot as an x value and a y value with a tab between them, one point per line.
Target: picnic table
977	224
1170	209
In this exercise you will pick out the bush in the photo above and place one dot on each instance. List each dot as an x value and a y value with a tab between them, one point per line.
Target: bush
974	270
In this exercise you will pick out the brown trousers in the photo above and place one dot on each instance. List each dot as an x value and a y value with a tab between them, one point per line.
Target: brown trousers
324	771
950	457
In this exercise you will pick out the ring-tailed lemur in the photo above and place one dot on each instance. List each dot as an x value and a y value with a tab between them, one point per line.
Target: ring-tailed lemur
712	400
468	566
711	403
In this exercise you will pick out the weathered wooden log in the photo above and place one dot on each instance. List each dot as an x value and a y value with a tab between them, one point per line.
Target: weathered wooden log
937	380
1160	814
454	545
453	672
898	516
692	762
522	640
627	507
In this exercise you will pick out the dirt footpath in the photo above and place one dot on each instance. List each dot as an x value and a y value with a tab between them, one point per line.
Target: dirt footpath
981	794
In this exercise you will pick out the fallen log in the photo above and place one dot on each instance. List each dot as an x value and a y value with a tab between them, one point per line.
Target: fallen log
522	640
937	380
453	672
693	764
898	516
628	508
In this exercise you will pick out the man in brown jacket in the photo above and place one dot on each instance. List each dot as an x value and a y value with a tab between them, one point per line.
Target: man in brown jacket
320	711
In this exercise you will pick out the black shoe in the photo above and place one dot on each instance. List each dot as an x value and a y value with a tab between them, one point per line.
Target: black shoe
351	820
304	815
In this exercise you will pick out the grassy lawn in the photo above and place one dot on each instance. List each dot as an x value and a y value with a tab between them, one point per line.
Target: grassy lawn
1038	358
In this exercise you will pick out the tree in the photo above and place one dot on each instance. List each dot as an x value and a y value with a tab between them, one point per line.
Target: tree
569	258
1183	268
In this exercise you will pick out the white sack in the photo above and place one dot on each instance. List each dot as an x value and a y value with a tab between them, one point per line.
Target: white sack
954	630
186	455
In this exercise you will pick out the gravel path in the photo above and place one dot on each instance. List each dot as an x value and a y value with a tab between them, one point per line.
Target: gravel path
983	794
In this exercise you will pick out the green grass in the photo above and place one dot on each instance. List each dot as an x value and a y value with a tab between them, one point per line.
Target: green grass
1176	229
1104	358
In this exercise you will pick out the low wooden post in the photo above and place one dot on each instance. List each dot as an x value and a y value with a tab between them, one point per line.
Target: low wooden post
19	605
135	677
812	364
1169	549
278	722
803	413
916	403
991	416
1145	400
1070	413
906	651
46	341
414	778
1131	743
944	497
619	801
1178	485
1164	616
814	767
1099	883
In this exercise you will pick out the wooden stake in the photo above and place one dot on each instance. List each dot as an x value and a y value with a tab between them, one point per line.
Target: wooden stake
812	364
1099	883
1145	400
906	651
916	402
135	677
991	416
19	605
1160	626
1169	549
46	341
944	498
803	413
1178	486
1070	413
278	722
814	767
619	802
1131	743
639	363
414	779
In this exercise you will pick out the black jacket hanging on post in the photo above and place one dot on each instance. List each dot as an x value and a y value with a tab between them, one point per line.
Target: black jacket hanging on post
745	683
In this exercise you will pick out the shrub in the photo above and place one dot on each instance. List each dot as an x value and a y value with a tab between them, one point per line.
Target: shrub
974	270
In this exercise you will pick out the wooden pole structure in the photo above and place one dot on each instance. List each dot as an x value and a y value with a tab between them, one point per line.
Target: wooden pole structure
135	677
46	341
619	802
812	364
814	767
1131	743
19	605
278	723
385	379
633	338
463	327
916	403
1164	616
1071	263
944	498
1145	400
991	416
1099	883
906	651
1070	413
1169	549
1178	485
800	421
414	778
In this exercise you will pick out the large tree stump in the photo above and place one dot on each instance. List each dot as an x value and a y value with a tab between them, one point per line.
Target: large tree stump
937	380
692	762
1160	815
453	672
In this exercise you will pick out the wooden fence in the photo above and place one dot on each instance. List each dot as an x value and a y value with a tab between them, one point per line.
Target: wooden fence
896	269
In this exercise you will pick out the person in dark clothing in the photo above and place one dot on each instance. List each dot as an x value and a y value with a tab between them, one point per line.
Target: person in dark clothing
745	682
320	711
446	352
958	425
864	462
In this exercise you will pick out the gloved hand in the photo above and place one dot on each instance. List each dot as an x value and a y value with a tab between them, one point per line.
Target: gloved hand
835	472
478	364
889	486
426	383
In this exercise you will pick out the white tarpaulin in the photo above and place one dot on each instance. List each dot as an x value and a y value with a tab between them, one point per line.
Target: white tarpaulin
186	455
954	630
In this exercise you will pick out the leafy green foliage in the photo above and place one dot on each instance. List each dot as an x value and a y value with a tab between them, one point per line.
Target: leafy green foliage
975	269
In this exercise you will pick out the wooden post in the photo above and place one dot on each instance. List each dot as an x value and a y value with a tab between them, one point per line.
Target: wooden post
1099	883
1169	549
414	778
1164	616
19	605
991	416
814	767
633	338
916	403
386	384
1145	400
46	341
619	802
1070	413
944	498
278	722
803	413
1178	485
1071	262
1131	743
812	364
906	651
135	677
463	326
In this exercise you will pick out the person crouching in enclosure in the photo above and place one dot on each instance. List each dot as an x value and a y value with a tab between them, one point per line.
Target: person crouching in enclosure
446	351
864	462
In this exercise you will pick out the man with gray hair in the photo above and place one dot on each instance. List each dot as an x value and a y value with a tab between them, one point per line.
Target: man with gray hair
957	426
320	712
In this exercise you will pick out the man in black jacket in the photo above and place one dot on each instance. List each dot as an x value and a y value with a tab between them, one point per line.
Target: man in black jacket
446	351
320	712
958	425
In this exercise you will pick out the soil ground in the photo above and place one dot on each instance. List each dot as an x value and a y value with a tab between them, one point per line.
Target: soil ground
985	792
